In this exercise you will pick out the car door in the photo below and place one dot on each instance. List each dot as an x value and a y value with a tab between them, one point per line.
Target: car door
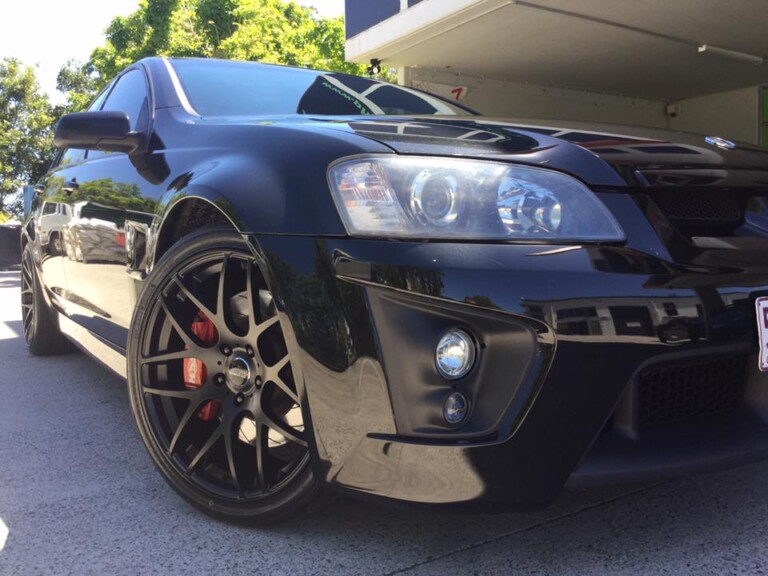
107	189
50	215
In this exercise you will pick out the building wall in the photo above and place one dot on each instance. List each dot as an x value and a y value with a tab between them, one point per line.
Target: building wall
521	100
733	115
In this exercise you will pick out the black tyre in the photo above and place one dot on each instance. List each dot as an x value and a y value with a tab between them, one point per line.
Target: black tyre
211	384
55	247
41	325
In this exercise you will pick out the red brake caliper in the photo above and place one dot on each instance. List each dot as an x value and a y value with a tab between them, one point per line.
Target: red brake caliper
195	372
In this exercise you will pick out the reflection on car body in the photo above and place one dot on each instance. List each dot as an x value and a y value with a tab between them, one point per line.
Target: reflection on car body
92	234
54	216
312	279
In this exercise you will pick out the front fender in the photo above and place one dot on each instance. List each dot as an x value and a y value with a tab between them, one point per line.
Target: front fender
264	178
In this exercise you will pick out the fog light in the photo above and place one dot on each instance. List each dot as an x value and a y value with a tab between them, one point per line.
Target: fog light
456	408
455	354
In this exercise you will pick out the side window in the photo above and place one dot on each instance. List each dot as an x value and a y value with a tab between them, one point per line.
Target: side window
71	156
130	96
96	104
49	208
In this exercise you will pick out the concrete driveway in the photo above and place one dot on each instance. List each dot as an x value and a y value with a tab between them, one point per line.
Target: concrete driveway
78	495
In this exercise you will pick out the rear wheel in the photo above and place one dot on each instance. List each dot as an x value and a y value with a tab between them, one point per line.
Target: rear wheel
41	327
55	247
212	386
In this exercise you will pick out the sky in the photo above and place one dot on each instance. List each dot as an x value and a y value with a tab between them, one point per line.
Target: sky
48	33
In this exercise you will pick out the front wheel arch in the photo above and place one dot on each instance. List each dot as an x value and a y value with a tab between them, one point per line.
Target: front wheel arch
184	217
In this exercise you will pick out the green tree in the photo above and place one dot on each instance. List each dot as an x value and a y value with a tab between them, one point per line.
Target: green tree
26	132
274	31
79	82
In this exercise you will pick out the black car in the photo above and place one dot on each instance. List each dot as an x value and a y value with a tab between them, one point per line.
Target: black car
312	279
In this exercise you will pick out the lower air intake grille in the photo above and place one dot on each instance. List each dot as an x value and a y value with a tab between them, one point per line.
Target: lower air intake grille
699	206
690	389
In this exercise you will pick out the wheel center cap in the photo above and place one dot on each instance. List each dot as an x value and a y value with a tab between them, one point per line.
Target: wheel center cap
239	375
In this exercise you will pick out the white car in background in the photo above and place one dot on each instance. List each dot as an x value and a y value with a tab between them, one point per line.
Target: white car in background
54	216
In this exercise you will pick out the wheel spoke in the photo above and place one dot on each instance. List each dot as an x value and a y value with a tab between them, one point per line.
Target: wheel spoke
273	375
261	449
190	343
221	297
27	300
167	357
194	299
215	435
262	327
273	371
192	409
287	389
228	444
182	394
251	302
289	433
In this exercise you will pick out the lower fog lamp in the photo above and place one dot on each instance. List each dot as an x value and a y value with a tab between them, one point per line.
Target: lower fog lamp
455	408
455	354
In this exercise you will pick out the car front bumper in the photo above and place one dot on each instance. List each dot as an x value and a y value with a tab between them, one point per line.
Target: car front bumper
596	364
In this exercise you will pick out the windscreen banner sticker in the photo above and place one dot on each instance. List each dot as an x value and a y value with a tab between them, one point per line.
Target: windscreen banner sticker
346	95
761	306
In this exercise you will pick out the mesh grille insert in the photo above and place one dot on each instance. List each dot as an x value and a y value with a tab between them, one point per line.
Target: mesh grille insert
699	206
690	389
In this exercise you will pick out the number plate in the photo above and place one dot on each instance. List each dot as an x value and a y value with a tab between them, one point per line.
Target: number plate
761	306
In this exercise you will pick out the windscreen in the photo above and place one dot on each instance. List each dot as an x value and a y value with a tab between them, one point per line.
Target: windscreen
225	88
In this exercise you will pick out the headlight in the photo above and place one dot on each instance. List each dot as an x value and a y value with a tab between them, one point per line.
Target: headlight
433	198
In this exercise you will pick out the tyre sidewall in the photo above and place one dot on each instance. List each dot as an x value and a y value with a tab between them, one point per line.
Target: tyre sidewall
47	338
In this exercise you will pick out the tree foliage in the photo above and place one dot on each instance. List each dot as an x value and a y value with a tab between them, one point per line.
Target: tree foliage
273	31
26	133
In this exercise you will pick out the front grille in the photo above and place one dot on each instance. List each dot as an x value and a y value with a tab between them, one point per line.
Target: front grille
699	206
690	389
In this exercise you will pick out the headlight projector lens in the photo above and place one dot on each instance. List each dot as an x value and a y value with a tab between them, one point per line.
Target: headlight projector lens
436	198
456	408
455	354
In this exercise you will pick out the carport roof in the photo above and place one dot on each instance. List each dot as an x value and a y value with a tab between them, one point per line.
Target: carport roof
640	48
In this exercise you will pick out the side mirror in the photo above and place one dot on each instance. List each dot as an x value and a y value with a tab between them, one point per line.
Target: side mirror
109	131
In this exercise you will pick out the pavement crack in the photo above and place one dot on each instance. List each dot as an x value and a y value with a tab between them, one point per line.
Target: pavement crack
518	531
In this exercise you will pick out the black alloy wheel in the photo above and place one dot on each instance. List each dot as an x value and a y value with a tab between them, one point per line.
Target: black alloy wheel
212	386
41	327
